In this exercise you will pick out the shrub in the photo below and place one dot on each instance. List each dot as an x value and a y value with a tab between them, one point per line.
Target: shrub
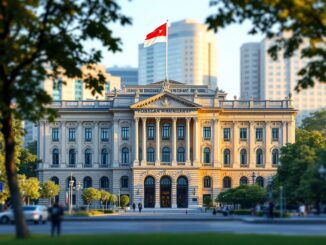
124	201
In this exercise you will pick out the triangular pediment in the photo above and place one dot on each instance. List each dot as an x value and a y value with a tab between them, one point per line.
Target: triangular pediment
165	100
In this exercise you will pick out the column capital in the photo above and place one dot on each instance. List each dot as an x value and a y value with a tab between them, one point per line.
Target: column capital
174	119
157	119
144	119
195	119
136	119
188	119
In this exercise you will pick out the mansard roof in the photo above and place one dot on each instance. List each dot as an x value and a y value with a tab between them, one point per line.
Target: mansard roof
165	100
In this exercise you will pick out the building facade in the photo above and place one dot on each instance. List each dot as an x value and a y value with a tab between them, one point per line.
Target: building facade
192	56
165	144
128	75
266	79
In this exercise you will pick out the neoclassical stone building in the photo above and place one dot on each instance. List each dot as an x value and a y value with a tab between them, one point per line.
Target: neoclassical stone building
165	144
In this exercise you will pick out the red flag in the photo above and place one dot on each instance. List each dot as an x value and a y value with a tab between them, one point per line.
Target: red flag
157	36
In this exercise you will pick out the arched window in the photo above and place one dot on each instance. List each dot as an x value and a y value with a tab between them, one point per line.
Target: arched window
104	182
181	154
150	154
72	157
68	181
243	157
104	157
275	156
227	157
227	183
207	182
243	180
55	156
124	182
182	181
125	155
260	181
87	183
166	131
166	181
88	157
149	181
166	154
55	179
259	157
207	155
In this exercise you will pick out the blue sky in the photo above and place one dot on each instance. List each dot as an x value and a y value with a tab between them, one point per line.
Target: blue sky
148	14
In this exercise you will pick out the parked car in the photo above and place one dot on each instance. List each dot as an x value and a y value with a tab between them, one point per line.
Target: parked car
37	214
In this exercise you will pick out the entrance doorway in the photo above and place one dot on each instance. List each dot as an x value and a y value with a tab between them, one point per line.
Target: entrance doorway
182	192
149	192
165	186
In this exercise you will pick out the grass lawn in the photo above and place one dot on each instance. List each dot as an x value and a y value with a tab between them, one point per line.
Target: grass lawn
170	239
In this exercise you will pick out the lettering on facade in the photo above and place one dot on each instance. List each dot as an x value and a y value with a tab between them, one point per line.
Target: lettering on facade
166	110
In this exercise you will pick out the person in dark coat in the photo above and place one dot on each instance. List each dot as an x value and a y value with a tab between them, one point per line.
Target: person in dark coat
271	210
140	207
134	207
56	213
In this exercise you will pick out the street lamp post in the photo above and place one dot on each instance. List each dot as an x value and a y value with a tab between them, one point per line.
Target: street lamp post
281	201
78	189
322	172
119	199
71	184
253	177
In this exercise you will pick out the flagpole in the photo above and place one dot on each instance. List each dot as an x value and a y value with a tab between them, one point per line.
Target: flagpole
166	52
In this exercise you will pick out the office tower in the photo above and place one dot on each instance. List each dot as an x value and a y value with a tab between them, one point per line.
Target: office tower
277	79
191	56
127	74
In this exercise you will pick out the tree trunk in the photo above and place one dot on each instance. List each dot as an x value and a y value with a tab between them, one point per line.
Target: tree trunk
10	163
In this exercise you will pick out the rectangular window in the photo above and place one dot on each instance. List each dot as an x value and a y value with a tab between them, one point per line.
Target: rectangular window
125	133
104	134
275	134
227	134
259	134
72	134
55	134
207	133
181	132
150	131
243	134
88	134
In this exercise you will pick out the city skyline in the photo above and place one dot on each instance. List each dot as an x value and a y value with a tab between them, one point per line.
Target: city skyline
229	40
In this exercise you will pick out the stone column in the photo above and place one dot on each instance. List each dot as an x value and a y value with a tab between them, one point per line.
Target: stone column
174	141
157	139
235	139
284	139
144	146
96	144
251	154
188	141
268	140
157	193
80	141
214	143
63	143
115	143
136	161
196	138
174	193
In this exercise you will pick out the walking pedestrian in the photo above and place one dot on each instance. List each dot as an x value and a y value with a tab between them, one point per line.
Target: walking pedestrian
56	214
271	210
140	207
134	207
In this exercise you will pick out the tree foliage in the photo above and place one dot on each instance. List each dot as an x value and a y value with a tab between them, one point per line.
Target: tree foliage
245	195
113	199
303	19
50	189
105	197
298	166
316	121
40	40
28	160
90	195
29	188
124	201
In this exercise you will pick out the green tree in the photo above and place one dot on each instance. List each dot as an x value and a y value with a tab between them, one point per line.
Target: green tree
105	197
28	161
303	19
296	161
50	190
90	195
113	199
29	188
316	121
41	36
246	196
208	202
124	201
